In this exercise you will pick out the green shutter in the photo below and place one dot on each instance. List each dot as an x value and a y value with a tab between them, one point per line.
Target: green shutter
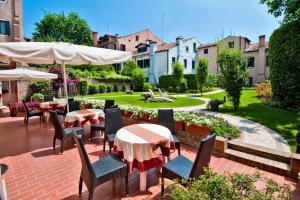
7	28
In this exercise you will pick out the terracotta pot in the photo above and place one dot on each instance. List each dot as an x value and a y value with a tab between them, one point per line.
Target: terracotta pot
20	114
199	130
153	120
178	125
144	118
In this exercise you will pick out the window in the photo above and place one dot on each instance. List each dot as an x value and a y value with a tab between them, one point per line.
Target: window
205	51
267	61
123	47
6	87
2	1
187	49
195	47
115	47
193	64
142	49
231	44
251	62
4	27
137	38
185	63
173	60
146	63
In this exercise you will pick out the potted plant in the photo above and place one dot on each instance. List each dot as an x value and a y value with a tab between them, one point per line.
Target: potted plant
138	113
178	120
152	116
197	124
38	97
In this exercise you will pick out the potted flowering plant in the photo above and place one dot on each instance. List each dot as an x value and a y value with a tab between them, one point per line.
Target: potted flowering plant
152	116
138	113
179	118
197	124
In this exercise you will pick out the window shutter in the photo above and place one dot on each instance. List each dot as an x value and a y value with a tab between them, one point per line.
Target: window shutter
7	28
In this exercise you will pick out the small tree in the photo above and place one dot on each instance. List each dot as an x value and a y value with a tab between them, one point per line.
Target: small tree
177	74
234	71
138	79
129	67
202	73
57	83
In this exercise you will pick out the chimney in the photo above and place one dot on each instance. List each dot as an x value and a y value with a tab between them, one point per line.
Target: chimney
95	38
179	40
153	48
262	41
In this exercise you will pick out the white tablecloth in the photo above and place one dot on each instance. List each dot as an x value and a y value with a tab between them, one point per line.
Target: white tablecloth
79	117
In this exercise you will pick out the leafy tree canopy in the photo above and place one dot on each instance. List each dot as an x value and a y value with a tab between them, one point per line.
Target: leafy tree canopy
202	73
63	28
129	67
290	9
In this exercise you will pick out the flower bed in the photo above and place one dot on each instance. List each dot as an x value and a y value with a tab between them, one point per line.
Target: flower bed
17	109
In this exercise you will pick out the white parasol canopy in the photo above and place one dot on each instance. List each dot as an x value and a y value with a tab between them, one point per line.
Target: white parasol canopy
25	75
59	53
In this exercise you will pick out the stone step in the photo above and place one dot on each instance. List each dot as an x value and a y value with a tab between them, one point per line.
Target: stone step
259	162
263	152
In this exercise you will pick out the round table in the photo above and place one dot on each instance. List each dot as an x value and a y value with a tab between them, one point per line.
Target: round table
52	105
142	146
80	117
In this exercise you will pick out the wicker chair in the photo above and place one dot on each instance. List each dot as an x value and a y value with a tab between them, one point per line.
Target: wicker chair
101	171
62	133
165	118
183	168
29	114
74	105
113	122
48	97
101	125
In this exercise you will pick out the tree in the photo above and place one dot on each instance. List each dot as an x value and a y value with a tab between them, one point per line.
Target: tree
63	28
138	79
284	61
234	72
57	83
129	67
177	73
290	9
202	73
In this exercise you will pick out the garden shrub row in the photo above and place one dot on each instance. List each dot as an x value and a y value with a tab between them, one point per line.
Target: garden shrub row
102	88
167	81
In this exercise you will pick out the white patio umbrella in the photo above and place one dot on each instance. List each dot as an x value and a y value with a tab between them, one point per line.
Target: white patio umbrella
59	53
23	74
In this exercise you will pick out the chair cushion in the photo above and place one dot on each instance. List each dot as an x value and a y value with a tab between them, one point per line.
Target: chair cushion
111	137
78	130
109	167
180	166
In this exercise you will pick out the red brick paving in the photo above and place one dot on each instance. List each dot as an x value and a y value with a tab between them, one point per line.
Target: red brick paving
36	172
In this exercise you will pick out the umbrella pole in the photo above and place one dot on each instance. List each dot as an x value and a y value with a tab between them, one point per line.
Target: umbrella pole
65	86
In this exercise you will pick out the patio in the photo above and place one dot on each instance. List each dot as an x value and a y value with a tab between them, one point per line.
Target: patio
36	172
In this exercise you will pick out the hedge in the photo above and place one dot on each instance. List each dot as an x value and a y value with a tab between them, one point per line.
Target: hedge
284	61
101	88
93	89
115	79
83	87
166	81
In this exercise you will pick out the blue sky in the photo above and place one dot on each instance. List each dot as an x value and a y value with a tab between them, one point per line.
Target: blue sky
207	20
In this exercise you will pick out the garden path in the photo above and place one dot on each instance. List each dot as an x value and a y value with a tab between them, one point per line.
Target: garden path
251	132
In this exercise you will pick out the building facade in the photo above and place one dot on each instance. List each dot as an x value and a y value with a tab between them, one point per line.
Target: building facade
128	42
157	59
11	30
256	53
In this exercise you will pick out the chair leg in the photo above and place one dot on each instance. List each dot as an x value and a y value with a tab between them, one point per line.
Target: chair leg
54	140
91	192
162	185
178	148
62	147
92	134
104	142
27	118
24	119
126	184
80	185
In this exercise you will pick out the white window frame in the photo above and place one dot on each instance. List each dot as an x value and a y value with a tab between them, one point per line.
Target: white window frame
9	86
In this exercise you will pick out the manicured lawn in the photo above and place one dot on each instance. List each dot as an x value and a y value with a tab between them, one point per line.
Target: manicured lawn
124	99
251	108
